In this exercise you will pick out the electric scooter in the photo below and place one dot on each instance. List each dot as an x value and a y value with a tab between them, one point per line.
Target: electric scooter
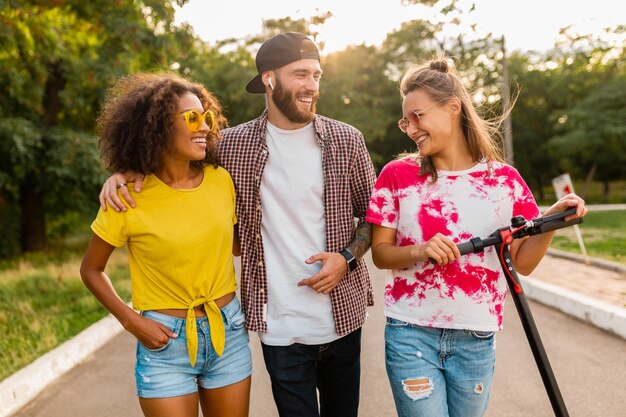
501	238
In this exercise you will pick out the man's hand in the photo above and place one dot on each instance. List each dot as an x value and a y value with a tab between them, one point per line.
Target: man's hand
334	268
118	181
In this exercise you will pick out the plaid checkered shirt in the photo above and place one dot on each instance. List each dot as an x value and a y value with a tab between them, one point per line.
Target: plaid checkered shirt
348	182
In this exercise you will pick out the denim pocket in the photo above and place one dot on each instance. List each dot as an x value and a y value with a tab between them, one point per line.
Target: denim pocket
161	349
172	323
481	335
233	315
391	322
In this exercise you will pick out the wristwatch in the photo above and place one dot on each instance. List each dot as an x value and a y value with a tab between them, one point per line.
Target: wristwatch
350	259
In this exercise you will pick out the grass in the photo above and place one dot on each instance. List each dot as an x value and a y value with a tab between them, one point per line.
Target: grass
43	303
604	235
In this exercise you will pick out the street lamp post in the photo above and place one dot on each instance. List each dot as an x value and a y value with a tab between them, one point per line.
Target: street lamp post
506	100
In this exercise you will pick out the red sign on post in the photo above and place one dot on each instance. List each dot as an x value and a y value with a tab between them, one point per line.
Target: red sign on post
562	185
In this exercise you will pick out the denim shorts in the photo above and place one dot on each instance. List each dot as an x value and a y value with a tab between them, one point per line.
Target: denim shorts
167	371
439	372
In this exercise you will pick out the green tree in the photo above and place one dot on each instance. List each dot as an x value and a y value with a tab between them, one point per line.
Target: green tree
531	122
553	85
57	58
355	89
594	138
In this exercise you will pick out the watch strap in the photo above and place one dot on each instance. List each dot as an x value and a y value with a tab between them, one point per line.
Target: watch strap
350	259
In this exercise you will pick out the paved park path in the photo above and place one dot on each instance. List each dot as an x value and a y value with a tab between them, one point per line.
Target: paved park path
589	364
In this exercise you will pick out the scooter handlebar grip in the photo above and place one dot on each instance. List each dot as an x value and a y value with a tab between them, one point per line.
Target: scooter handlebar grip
549	226
465	247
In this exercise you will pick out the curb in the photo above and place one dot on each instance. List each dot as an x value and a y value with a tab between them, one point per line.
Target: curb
600	263
605	316
20	388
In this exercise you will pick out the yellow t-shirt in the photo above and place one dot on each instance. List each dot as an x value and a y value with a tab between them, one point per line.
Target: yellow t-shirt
180	247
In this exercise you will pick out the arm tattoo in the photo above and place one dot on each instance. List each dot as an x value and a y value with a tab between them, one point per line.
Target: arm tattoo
362	240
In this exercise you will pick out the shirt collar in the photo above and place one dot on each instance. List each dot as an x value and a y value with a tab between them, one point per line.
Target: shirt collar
318	124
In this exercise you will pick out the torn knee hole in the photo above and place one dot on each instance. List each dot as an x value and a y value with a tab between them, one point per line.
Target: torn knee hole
417	388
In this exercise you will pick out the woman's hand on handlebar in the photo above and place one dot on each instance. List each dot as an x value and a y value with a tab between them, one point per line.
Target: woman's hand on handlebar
439	249
564	203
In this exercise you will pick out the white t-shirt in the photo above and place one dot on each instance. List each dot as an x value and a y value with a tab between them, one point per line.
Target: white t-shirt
293	228
468	293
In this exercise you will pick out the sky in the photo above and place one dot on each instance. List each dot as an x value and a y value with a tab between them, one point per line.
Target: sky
532	24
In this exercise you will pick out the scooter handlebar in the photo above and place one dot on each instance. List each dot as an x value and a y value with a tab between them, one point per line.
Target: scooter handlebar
556	221
539	225
466	247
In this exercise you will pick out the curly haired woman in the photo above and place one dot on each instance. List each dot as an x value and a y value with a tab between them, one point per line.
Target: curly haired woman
192	346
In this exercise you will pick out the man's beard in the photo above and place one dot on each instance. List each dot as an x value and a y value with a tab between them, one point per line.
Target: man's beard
287	103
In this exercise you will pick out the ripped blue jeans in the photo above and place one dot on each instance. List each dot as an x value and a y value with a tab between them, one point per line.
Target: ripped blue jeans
439	372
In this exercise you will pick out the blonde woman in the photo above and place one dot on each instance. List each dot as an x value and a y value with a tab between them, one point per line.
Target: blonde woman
442	316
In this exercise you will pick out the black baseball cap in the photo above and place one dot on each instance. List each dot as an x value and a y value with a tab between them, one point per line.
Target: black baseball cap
279	51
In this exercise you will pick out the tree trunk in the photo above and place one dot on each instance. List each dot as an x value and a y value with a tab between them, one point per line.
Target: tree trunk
607	190
542	196
52	104
588	180
33	222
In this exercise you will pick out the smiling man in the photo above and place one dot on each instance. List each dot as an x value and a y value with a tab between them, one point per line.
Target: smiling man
301	180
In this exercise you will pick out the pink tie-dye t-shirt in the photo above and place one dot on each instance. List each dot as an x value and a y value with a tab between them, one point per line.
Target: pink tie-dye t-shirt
469	292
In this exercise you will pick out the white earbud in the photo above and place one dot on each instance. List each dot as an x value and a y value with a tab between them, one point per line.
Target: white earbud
269	81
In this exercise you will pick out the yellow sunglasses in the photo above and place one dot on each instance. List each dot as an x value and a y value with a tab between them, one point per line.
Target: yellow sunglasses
194	119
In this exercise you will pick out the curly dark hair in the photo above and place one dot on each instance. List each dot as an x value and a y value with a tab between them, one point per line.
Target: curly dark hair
136	123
